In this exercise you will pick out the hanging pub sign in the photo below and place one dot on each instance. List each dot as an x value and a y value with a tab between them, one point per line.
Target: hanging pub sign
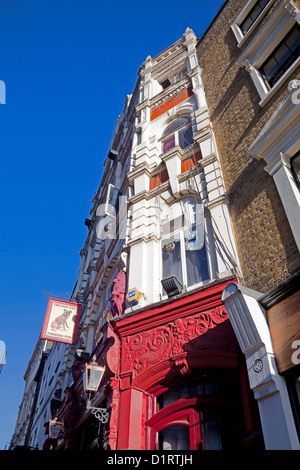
61	321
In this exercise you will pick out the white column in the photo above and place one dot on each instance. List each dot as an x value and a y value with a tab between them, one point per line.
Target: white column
257	79
279	168
249	322
144	271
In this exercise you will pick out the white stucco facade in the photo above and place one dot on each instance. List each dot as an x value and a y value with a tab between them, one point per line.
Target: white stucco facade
150	205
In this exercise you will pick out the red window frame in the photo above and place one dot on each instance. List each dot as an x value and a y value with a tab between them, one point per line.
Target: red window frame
185	417
184	412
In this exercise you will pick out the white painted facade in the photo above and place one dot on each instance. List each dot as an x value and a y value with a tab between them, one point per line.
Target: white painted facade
150	206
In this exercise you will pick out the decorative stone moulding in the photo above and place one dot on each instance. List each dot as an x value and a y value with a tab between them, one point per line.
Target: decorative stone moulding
147	348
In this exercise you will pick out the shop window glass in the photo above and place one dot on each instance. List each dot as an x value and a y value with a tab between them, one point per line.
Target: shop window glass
293	384
174	438
221	385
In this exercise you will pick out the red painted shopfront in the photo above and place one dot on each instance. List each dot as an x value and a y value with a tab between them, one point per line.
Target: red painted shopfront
175	379
178	379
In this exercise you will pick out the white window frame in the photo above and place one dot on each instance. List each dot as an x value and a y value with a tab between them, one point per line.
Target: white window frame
264	43
240	37
174	77
179	233
108	204
176	133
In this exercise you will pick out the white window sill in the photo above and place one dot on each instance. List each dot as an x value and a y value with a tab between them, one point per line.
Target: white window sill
185	290
240	37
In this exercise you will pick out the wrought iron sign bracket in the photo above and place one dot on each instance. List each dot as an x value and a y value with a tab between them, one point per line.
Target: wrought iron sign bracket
102	414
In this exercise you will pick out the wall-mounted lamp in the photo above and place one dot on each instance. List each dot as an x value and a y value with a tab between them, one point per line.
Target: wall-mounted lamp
92	377
172	285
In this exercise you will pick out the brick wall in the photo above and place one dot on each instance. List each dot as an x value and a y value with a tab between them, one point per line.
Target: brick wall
266	246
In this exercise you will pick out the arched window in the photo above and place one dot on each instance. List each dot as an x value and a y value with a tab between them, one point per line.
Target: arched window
183	242
179	132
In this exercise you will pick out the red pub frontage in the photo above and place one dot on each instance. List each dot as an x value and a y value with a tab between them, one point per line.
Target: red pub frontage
175	379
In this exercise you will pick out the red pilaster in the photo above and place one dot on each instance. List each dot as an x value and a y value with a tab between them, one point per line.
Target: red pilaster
132	420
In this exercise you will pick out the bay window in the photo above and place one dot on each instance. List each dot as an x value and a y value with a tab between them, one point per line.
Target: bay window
183	243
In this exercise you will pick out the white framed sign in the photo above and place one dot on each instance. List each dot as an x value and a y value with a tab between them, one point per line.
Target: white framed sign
61	321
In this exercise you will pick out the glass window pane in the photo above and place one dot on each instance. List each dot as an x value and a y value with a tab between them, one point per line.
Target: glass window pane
211	432
181	121
174	438
196	266
296	168
270	68
247	23
176	78
297	387
282	57
169	143
255	13
186	137
171	258
263	3
293	40
196	257
282	54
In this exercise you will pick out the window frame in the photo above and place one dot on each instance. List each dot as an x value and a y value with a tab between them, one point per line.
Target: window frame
296	178
236	26
277	143
173	78
176	133
112	201
187	412
283	68
179	233
280	23
248	16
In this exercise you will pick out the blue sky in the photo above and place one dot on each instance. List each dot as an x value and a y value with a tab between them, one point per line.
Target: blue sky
67	66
